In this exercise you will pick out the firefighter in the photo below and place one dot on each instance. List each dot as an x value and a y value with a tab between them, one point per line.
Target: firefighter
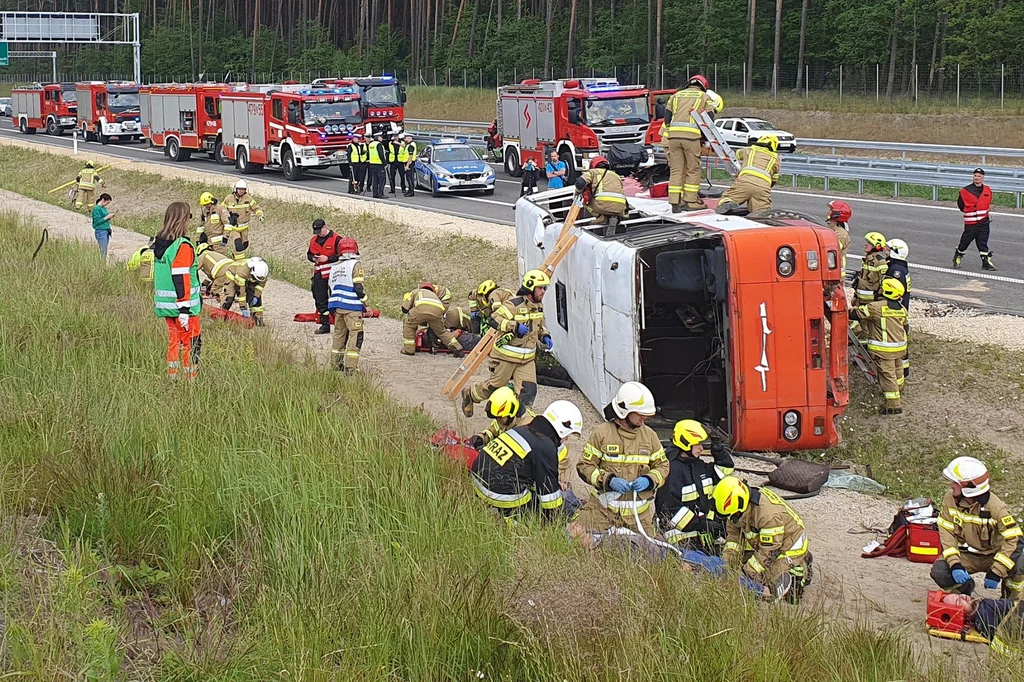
839	215
978	534
407	159
872	268
356	171
523	462
623	463
974	201
898	269
683	142
378	159
142	260
347	302
520	325
423	306
506	413
765	535
245	207
759	173
884	324
245	282
323	253
483	302
214	265
212	219
607	199
87	180
684	505
458	318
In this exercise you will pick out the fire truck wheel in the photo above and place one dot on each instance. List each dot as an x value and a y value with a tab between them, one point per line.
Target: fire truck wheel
172	149
23	127
100	137
218	154
292	171
52	127
570	165
512	166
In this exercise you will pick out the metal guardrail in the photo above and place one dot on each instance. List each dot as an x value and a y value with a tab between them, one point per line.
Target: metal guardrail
905	148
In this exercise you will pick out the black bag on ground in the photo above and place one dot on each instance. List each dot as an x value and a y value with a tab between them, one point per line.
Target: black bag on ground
799	476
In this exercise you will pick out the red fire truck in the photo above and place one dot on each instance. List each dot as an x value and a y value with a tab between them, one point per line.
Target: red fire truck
184	118
579	118
294	127
52	107
109	109
383	101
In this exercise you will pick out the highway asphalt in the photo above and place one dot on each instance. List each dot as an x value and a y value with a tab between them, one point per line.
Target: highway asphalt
931	230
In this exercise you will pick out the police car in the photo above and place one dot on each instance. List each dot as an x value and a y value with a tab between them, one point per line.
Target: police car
450	165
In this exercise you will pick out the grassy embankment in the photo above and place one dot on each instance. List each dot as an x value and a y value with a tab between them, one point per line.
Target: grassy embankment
272	521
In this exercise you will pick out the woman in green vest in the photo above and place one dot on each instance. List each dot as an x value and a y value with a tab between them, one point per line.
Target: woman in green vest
176	291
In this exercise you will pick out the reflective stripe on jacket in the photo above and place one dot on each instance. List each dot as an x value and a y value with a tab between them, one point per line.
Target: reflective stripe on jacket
759	164
342	282
989	529
165	299
681	105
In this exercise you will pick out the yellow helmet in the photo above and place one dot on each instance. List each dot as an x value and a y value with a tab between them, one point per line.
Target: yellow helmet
503	403
769	142
202	248
486	287
876	239
136	260
688	433
90	164
731	495
205	199
893	289
534	279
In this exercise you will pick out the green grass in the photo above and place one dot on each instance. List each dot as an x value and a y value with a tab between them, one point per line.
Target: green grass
271	520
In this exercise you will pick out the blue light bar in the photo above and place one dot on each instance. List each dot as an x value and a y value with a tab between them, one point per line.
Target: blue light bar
603	88
449	140
388	79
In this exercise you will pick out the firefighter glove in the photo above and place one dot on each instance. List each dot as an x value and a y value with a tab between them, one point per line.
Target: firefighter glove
640	484
475	315
960	576
476	442
246	313
991	581
619	485
546	340
752	585
581	184
521	330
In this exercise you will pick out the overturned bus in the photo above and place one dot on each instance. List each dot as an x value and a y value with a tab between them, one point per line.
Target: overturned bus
737	321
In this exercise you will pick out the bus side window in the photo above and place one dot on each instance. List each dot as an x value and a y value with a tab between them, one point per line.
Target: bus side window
561	306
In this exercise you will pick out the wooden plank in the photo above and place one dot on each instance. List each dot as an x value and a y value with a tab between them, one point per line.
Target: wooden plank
453	387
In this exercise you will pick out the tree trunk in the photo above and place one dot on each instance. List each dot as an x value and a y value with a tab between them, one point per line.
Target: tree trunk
893	43
657	38
547	36
803	43
776	74
487	26
519	9
472	27
500	3
650	31
939	25
751	18
572	38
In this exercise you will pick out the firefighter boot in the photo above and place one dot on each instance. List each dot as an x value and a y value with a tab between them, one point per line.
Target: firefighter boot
986	262
467	402
725	207
957	258
325	325
888	410
677	208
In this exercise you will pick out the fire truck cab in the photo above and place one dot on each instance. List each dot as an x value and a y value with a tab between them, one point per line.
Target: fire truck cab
383	104
579	118
294	127
109	109
183	118
739	322
51	106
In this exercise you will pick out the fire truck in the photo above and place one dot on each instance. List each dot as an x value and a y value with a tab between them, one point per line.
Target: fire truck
294	127
737	321
184	118
52	107
109	109
578	118
383	101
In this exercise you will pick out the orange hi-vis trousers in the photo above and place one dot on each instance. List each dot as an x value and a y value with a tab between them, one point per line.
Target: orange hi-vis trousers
183	347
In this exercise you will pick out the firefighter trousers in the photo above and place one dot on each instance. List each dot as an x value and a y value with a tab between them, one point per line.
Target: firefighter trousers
238	241
84	197
523	376
942	573
433	321
321	293
977	234
684	170
890	375
183	346
348	339
754	193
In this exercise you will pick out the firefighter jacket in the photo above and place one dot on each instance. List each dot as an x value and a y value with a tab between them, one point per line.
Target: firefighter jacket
869	279
214	265
142	260
768	531
975	203
457	317
507	317
323	246
607	195
843	236
210	230
885	325
898	269
175	278
619	451
518	464
979	525
759	165
684	503
500	426
346	287
423	301
88	178
245	207
681	105
486	305
242	283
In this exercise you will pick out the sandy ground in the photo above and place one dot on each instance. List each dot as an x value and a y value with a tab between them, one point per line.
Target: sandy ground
881	592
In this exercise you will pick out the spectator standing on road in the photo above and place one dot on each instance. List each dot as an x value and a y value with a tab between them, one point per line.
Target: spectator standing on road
556	171
101	223
974	201
530	173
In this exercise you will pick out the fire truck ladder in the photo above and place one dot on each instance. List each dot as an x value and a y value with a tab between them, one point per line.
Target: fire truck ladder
862	359
718	144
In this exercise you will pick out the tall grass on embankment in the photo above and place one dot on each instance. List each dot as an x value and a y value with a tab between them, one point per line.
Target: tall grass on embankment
271	521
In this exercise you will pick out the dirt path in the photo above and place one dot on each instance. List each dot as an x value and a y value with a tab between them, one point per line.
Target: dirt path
882	592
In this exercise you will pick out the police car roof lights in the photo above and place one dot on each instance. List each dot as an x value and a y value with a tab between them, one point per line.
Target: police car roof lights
449	140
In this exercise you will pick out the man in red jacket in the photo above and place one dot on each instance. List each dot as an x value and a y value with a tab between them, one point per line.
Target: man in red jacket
323	254
975	200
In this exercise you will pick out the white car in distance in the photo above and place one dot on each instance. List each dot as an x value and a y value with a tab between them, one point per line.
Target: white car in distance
743	132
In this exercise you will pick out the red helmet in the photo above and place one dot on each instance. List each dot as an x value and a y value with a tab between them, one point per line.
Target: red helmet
699	80
348	245
597	161
839	211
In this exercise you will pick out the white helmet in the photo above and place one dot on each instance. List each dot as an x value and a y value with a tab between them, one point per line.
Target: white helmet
241	184
633	397
565	417
258	267
717	100
898	249
970	473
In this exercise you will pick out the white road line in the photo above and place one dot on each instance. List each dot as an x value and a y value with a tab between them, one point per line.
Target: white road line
889	203
961	273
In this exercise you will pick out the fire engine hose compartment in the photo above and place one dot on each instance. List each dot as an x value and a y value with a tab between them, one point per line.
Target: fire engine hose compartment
683	352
